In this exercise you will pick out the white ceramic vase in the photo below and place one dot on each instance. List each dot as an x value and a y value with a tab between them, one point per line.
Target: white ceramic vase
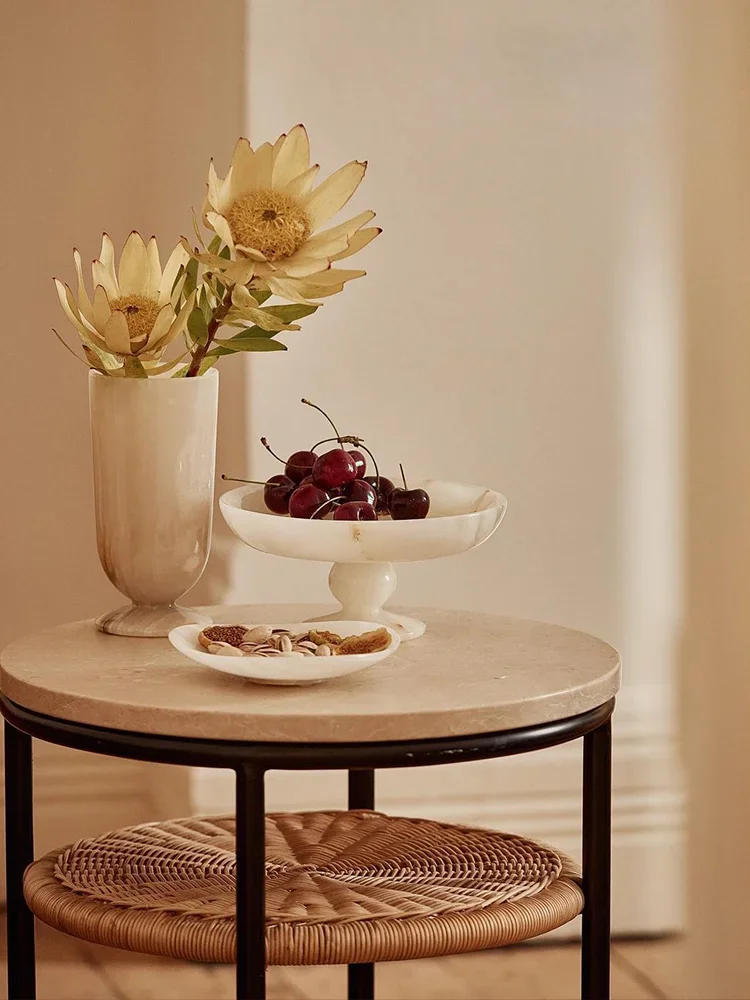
154	449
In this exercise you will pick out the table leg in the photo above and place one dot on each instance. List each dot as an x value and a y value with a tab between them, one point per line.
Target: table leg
361	976
19	852
251	883
597	850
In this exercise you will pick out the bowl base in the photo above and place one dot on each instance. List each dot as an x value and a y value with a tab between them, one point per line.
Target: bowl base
405	627
147	622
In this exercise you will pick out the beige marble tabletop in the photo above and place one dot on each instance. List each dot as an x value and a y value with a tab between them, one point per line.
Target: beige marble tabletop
470	673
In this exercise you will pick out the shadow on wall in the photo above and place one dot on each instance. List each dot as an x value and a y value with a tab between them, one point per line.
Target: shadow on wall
95	146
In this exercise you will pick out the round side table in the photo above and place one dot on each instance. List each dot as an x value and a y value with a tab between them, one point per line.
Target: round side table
477	686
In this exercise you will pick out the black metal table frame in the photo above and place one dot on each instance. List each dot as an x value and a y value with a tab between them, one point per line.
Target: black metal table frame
250	761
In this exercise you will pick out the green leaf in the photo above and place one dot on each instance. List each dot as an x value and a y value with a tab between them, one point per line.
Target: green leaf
208	362
196	228
197	326
191	281
289	313
226	253
180	272
244	343
206	307
133	367
214	245
260	295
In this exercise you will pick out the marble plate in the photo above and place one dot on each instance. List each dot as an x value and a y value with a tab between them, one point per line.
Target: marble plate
295	671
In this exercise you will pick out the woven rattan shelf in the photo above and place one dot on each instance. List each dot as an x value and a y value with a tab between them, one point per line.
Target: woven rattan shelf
341	887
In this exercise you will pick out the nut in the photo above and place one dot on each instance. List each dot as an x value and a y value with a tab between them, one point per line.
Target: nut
285	644
323	649
258	634
224	649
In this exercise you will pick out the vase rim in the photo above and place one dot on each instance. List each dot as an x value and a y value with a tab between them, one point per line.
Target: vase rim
212	373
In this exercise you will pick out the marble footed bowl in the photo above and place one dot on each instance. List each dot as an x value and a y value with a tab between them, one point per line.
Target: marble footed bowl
461	517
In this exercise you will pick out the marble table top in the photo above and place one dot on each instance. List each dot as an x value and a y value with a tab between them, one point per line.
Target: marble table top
470	673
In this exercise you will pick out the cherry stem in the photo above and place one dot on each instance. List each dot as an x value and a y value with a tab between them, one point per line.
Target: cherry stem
330	500
375	463
346	439
252	482
403	476
316	407
267	446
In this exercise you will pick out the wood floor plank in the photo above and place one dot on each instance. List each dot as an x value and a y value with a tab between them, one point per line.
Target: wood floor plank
662	961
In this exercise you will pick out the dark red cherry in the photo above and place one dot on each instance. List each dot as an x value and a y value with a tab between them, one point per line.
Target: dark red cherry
383	489
361	461
309	502
360	490
409	505
300	465
277	493
335	468
355	510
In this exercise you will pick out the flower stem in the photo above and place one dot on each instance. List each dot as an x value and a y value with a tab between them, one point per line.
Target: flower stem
213	327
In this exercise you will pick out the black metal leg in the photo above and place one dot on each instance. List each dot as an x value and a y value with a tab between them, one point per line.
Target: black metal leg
19	853
361	976
251	883
597	850
362	789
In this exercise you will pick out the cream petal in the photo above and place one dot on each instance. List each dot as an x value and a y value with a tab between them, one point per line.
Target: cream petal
334	275
302	184
251	252
103	277
299	266
107	275
225	196
243	168
84	303
107	253
330	197
117	335
160	332
102	308
68	302
293	158
263	166
213	186
178	257
287	288
221	227
322	249
347	228
133	273
182	317
358	241
154	268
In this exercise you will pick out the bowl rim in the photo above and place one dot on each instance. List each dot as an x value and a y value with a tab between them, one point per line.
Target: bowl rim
233	499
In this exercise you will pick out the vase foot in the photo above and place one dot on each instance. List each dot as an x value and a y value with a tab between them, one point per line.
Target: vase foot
406	627
146	622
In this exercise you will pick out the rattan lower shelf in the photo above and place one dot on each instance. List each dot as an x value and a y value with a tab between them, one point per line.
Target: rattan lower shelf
341	887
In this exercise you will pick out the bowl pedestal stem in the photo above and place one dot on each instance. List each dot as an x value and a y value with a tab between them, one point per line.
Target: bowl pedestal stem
362	589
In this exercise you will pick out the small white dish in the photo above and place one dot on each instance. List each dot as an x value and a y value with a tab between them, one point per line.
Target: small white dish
291	671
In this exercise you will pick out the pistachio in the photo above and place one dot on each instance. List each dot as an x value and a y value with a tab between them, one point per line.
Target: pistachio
285	644
224	649
323	649
258	634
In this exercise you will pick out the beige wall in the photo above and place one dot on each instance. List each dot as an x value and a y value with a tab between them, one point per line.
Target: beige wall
110	114
716	77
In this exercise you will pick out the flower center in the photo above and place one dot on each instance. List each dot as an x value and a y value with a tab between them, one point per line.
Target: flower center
140	313
269	221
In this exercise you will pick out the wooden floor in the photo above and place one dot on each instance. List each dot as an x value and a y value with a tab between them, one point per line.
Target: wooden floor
642	970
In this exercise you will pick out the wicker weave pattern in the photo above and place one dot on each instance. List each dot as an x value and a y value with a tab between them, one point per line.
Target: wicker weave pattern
341	886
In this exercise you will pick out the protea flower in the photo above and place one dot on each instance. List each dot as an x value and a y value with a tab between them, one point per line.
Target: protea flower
268	213
133	310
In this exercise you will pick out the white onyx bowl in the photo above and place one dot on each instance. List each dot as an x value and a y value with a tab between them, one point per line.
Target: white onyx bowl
289	671
362	578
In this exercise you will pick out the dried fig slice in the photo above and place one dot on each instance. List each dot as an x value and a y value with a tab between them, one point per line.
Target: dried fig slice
369	642
232	634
